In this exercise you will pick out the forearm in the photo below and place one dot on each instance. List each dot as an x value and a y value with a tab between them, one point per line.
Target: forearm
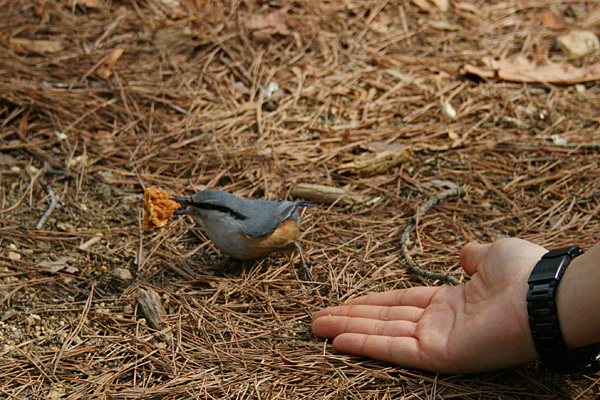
578	300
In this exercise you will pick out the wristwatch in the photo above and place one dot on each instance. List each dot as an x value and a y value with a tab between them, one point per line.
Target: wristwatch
543	317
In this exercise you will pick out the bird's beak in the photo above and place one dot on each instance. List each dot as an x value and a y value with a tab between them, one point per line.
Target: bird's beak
184	201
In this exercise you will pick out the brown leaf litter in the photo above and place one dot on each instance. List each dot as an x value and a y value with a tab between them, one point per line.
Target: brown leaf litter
104	99
520	69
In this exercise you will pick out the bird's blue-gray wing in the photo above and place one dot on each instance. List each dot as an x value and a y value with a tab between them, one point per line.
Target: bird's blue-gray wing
268	216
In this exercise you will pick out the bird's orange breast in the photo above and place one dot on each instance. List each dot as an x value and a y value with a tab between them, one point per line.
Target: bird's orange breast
288	232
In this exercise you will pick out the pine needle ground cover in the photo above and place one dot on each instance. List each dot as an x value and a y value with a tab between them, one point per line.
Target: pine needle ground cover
390	103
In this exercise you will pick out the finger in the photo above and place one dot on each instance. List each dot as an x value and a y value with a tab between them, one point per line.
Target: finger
413	297
403	351
373	312
330	327
472	255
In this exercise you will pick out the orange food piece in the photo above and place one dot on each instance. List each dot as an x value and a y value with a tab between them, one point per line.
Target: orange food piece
158	207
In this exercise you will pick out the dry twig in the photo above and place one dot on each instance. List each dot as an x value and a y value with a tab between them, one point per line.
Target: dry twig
51	207
410	226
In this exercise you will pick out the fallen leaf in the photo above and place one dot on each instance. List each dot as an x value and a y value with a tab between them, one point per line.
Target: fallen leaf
482	72
520	69
26	46
56	266
550	21
378	146
105	70
265	26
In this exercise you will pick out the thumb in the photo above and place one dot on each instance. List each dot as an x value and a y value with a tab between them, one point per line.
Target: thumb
472	255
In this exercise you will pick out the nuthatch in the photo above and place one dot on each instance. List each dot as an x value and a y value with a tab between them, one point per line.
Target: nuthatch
243	228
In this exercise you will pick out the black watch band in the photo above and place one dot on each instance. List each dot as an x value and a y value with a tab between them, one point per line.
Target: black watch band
543	317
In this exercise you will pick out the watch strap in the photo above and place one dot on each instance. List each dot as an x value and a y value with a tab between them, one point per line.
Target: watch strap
543	316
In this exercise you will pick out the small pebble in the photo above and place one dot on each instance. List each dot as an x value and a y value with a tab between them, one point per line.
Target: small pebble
13	255
122	273
32	320
448	111
578	43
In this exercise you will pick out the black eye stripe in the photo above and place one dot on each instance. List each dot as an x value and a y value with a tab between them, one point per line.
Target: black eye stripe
223	209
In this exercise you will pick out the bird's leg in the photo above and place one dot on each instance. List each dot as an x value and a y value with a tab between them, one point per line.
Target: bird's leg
308	274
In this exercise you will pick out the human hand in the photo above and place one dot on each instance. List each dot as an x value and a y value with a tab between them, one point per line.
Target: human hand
479	326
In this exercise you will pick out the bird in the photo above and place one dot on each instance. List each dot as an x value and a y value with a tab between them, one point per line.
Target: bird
246	229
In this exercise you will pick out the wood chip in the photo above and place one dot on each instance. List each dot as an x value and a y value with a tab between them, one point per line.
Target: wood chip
89	243
153	310
27	46
105	70
327	194
377	163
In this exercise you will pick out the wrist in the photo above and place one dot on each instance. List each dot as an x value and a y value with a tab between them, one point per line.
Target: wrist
577	302
580	351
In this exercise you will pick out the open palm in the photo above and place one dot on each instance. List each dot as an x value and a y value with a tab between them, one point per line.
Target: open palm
479	326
